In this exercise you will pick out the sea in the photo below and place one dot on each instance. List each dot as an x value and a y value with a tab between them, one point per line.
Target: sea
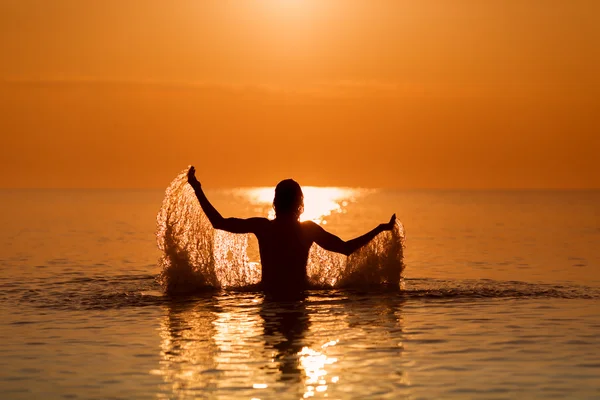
497	297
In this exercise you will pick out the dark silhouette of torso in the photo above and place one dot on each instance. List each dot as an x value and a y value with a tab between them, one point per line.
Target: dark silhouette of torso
284	245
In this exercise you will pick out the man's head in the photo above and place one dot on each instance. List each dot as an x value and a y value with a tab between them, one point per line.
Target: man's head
289	200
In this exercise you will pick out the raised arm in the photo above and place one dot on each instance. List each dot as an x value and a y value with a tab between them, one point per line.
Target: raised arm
233	225
331	242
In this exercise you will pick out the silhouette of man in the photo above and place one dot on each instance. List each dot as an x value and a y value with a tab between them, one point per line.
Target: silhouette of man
284	243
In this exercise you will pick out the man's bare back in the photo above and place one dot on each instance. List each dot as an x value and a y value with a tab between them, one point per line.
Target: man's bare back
284	242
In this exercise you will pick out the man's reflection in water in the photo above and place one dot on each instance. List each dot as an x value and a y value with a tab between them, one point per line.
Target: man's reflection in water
285	327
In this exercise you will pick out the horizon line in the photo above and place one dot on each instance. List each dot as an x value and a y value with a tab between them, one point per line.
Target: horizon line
440	189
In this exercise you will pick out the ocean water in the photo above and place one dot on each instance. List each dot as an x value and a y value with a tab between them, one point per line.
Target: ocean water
500	298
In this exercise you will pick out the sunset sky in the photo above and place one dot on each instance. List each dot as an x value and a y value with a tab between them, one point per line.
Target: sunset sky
402	94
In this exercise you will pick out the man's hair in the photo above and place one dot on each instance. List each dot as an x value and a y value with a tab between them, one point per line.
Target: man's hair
289	199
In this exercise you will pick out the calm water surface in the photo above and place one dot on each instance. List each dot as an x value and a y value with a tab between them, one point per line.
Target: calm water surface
501	300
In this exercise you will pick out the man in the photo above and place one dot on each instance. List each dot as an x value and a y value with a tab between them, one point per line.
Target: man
284	243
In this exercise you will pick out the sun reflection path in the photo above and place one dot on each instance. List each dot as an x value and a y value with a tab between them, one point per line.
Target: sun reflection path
319	202
314	362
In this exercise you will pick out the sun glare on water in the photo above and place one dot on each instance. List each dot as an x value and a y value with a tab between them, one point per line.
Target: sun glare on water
319	202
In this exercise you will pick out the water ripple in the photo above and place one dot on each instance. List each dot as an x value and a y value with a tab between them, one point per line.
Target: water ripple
141	290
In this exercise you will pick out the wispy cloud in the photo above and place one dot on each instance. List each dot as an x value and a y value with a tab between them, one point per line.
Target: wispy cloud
323	89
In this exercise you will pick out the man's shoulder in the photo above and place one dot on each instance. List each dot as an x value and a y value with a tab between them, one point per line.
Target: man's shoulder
309	223
256	224
310	226
259	221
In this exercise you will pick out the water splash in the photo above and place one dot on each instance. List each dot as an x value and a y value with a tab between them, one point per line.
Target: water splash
195	256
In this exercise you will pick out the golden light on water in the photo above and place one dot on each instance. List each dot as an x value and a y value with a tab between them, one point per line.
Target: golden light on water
200	344
319	202
255	348
314	362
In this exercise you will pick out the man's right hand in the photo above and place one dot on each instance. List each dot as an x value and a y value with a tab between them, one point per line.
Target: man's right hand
192	177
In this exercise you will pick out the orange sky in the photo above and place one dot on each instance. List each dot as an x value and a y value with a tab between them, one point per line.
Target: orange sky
407	94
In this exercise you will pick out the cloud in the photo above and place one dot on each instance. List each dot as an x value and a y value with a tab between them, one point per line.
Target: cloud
319	89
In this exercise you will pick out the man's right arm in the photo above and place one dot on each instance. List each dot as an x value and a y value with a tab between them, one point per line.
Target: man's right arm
233	225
